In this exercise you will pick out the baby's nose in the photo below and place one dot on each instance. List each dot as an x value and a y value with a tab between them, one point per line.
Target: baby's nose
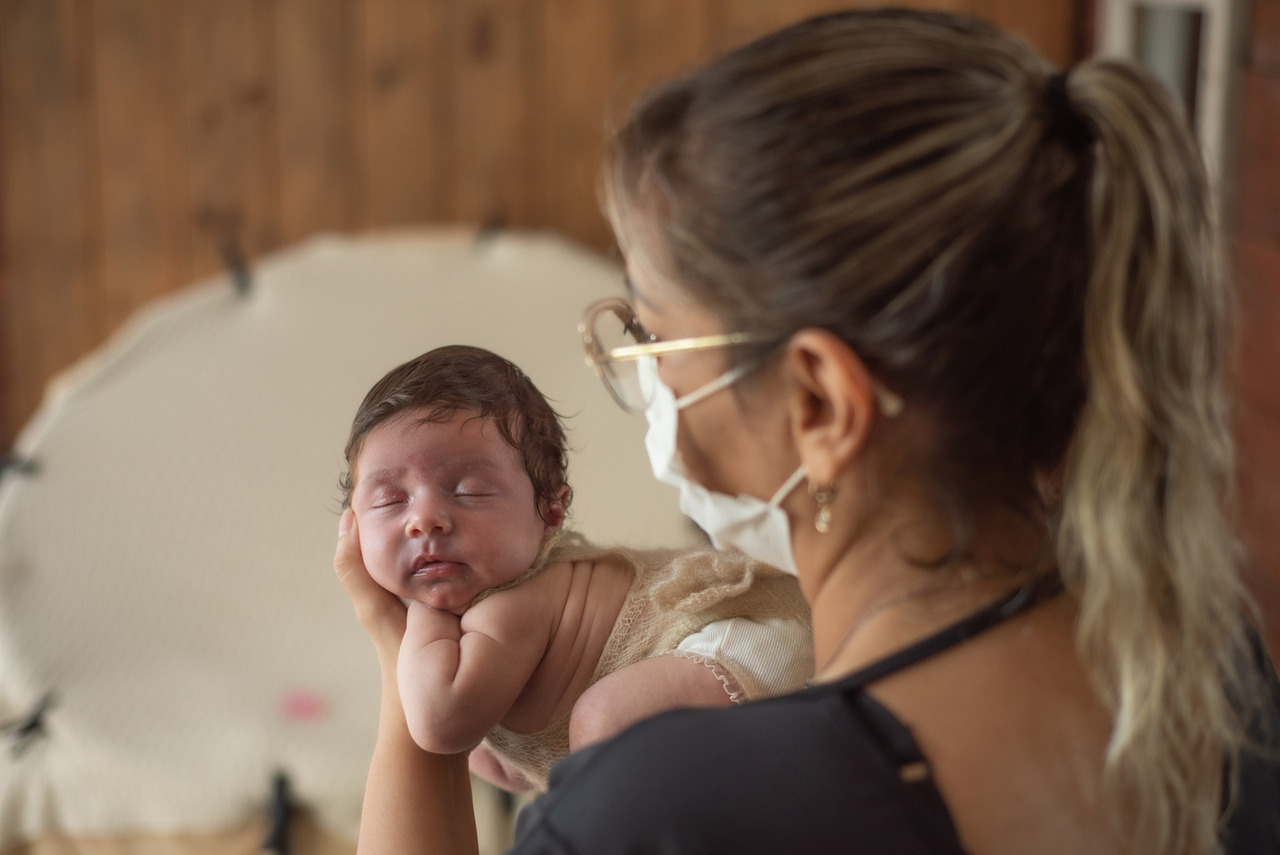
429	516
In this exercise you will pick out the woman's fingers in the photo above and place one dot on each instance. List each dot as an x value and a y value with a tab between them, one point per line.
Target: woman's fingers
348	563
380	612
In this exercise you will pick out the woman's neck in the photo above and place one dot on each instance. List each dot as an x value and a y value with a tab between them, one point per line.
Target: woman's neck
879	594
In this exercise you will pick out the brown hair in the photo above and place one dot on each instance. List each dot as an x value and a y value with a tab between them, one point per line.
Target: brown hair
459	377
1030	260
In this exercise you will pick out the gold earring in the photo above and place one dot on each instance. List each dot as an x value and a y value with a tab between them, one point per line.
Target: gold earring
824	496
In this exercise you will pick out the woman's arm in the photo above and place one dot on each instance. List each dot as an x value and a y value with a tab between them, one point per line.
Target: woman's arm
414	801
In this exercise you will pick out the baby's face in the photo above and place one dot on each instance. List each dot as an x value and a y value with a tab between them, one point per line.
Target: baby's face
445	509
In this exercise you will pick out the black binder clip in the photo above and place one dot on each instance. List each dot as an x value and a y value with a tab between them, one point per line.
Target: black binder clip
280	812
490	230
237	267
24	731
11	462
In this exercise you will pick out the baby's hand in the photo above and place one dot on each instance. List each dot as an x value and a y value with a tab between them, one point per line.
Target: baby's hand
459	675
426	624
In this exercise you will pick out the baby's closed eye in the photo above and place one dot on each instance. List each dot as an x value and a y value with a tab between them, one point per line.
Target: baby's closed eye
387	498
474	489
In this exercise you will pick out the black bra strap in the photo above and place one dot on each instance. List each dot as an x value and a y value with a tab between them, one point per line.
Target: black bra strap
996	613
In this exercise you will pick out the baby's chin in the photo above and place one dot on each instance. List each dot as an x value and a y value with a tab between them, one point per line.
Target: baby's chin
448	597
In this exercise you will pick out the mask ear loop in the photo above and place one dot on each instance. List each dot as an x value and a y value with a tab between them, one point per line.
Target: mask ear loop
788	486
724	381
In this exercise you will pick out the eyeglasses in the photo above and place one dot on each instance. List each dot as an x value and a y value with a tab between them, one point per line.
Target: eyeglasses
622	352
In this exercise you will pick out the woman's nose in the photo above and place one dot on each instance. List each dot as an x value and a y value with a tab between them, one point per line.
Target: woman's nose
428	516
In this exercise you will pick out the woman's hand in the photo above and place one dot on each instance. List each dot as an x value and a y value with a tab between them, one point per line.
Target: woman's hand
380	612
414	801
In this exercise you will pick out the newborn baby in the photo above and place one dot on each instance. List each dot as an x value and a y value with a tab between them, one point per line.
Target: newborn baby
523	641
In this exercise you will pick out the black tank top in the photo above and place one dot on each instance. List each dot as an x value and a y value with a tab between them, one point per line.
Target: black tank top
825	770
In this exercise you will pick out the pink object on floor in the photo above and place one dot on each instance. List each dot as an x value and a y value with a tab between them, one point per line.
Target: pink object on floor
302	705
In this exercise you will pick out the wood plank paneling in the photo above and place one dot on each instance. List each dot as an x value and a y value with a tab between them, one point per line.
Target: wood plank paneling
315	63
143	176
649	45
1257	268
574	74
1264	51
1258	172
734	22
1040	24
141	134
51	245
406	81
490	162
1257	271
1257	280
228	103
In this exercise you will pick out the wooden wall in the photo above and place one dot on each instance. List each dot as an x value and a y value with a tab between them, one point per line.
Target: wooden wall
1256	226
137	137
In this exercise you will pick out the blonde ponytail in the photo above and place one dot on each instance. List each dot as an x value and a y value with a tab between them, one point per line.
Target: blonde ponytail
1146	540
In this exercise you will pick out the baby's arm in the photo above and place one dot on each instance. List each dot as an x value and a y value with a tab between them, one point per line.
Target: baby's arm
642	690
431	639
458	676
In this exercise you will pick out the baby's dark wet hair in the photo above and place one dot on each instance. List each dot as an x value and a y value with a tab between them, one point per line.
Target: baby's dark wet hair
459	377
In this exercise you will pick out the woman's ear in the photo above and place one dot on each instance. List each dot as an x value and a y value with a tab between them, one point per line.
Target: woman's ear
831	399
553	512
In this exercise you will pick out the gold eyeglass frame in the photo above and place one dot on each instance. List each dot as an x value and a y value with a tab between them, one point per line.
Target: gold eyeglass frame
598	357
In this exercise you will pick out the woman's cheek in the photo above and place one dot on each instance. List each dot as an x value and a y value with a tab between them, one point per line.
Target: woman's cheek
689	447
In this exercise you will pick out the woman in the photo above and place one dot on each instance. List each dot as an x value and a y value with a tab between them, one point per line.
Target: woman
974	305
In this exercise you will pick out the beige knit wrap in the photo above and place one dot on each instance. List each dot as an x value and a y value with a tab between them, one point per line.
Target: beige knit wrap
672	596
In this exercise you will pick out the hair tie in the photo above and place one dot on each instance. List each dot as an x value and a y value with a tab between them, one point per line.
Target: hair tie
1065	121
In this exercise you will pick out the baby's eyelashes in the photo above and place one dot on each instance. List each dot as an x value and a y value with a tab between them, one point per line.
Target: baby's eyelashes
386	499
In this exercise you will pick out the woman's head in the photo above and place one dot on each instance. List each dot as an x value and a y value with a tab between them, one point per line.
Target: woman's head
457	378
902	180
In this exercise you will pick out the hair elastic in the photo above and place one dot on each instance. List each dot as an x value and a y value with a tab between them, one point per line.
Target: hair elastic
1065	121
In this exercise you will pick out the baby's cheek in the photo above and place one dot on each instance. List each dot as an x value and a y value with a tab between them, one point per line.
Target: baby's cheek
378	560
514	548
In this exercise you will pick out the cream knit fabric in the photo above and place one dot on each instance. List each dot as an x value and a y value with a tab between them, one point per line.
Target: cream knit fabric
748	622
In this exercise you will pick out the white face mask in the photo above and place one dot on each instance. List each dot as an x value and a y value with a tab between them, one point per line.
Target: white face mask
753	527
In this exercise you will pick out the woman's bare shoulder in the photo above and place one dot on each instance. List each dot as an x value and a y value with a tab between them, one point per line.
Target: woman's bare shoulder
993	714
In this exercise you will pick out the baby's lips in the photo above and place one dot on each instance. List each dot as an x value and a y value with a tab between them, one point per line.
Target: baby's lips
435	568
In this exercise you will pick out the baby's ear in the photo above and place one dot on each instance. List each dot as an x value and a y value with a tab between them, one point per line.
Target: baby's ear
553	511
